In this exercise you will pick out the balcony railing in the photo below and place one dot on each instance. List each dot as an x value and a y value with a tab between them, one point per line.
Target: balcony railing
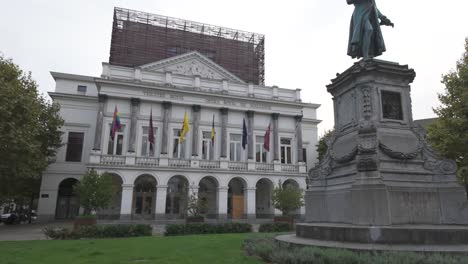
237	165
147	162
152	162
209	164
179	163
265	166
112	160
290	167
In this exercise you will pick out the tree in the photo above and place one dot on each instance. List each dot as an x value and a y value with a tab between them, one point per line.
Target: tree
287	199
95	191
322	146
30	133
448	134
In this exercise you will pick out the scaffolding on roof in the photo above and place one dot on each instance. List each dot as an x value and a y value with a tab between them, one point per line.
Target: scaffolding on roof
139	38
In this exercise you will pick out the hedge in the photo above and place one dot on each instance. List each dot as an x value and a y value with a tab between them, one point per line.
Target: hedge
101	231
266	248
275	228
204	228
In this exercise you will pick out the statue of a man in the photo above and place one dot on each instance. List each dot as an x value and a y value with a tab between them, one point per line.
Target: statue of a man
365	36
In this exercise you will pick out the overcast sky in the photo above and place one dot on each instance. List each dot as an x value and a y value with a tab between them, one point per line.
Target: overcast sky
306	40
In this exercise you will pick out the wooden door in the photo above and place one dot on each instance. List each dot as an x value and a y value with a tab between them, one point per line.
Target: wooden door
237	206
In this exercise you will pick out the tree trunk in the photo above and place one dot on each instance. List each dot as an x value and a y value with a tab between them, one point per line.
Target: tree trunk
31	201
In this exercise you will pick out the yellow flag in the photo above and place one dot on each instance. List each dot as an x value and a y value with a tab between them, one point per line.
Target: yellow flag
185	128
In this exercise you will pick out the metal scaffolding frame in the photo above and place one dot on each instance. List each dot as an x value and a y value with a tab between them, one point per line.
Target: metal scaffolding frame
139	38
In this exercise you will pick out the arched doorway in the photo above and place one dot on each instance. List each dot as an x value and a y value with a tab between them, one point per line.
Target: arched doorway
68	205
207	192
236	203
113	210
263	204
292	183
177	196
144	197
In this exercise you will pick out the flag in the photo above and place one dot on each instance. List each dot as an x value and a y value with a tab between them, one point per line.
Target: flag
212	132
115	123
185	128
244	135
266	139
151	133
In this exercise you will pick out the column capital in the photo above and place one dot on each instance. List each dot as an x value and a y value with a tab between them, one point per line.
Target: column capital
135	101
167	104
102	98
250	188
224	110
161	186
223	188
275	116
127	186
298	118
196	108
250	113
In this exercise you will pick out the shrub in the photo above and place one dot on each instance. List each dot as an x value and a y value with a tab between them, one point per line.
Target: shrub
104	231
271	251
203	228
274	228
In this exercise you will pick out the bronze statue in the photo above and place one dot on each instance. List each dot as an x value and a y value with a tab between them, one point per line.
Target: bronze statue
365	36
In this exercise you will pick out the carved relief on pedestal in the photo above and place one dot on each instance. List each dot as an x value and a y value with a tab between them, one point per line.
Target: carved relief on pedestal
432	161
366	123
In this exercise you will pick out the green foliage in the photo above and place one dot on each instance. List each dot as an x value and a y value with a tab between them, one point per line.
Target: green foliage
287	199
195	206
203	228
322	146
104	231
29	130
271	251
448	134
95	191
274	228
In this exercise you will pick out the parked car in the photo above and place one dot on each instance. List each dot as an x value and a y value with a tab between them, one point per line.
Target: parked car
10	218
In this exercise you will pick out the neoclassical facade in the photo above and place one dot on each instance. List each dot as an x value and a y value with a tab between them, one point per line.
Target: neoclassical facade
235	182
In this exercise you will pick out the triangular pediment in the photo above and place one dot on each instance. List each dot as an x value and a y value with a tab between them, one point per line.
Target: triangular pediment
192	64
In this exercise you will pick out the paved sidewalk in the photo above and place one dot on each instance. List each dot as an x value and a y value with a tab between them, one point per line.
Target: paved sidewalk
26	231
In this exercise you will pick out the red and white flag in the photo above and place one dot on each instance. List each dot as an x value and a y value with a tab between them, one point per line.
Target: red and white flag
266	140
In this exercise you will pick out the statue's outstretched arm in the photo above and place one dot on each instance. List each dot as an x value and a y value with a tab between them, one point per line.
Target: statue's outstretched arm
384	20
350	2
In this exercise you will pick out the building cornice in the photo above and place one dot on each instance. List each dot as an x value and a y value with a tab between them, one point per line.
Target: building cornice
173	88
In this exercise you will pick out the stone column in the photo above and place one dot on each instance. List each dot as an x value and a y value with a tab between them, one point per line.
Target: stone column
222	200
224	121
250	202
275	136
161	194
300	157
126	203
99	122
135	107
250	135
165	129
196	123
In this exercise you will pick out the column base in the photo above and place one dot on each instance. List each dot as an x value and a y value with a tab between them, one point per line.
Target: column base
222	216
125	217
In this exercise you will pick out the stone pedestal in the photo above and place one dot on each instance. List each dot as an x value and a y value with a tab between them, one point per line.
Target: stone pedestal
379	171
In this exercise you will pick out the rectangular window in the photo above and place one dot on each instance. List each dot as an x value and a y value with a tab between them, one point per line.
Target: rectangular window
260	152
235	147
115	147
207	147
74	146
178	151
391	105
81	89
285	150
145	144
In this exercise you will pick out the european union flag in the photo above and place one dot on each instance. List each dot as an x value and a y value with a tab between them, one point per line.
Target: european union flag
244	135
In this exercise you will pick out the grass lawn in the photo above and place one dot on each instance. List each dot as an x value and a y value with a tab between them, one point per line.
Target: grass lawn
211	249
